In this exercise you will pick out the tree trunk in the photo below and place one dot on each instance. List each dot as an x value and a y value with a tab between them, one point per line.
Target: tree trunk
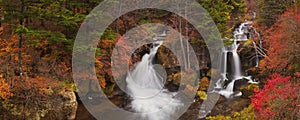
181	40
20	42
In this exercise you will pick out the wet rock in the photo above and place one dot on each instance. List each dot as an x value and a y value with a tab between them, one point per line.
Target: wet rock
248	91
240	83
172	87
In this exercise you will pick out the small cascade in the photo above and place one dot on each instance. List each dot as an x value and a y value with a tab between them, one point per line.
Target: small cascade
225	86
258	49
146	88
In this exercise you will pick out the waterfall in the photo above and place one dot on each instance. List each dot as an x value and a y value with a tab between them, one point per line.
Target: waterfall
228	91
237	72
144	74
224	86
224	64
146	88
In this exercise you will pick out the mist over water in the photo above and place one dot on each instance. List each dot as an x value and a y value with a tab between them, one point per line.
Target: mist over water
146	88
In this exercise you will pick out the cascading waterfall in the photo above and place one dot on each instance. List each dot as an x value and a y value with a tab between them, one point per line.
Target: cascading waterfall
147	91
240	34
237	64
228	91
146	86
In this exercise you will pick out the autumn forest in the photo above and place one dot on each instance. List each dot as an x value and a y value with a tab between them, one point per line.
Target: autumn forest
258	73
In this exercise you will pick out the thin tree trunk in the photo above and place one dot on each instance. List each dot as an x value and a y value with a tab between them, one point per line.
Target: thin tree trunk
187	37
13	70
181	41
20	42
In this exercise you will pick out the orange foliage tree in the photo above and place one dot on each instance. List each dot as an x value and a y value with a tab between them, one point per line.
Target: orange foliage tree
103	59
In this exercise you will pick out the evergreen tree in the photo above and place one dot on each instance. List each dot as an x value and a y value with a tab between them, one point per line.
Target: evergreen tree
270	10
221	10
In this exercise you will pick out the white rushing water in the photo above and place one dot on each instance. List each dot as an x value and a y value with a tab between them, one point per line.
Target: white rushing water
146	87
224	86
237	65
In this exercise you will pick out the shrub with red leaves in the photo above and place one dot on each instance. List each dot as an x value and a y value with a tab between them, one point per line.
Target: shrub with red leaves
280	99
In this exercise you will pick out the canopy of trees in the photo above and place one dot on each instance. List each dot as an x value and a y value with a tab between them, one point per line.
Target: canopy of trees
37	37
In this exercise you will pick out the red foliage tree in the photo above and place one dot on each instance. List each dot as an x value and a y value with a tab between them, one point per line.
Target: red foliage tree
283	43
279	99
